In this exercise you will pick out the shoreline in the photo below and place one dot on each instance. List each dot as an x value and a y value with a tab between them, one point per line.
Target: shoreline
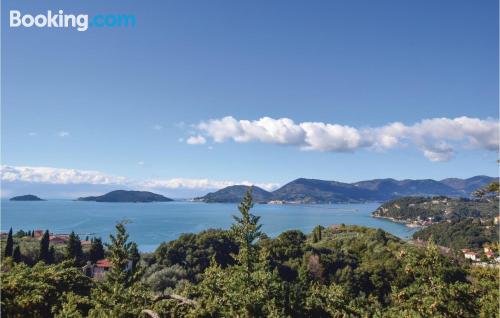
407	224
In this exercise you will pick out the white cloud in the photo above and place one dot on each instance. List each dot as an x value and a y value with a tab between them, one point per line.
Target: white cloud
141	163
157	127
32	134
196	140
63	134
50	175
437	138
200	184
57	176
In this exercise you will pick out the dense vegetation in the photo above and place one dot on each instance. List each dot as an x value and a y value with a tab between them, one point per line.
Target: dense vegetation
439	208
339	271
461	233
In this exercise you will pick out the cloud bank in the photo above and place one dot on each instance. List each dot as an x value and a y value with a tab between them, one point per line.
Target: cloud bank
48	175
437	138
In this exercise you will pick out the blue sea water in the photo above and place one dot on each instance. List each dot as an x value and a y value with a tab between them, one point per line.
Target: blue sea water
153	223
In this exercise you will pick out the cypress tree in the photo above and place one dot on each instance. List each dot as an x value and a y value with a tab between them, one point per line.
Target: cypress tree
96	250
16	255
9	245
74	248
52	255
44	248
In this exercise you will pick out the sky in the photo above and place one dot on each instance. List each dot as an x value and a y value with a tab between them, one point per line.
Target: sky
199	95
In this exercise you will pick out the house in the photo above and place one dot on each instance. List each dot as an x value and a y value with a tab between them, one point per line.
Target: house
496	219
99	270
490	254
38	233
471	255
85	243
427	223
487	249
58	239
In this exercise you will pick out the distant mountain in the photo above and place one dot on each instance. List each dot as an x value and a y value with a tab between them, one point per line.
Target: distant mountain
467	186
234	194
321	191
127	196
28	197
387	189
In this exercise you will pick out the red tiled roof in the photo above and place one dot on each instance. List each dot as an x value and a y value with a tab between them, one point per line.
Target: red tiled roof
106	263
58	238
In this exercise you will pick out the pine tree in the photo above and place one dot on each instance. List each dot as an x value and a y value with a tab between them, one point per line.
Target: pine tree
120	295
44	254
120	251
96	250
16	255
246	230
74	248
9	245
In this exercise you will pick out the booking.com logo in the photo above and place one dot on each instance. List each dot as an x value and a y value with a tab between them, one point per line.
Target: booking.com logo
80	22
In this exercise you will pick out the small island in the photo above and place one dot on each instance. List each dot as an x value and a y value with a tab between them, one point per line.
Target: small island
127	196
27	197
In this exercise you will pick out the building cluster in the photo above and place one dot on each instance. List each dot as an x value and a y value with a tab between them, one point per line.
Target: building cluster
58	238
487	253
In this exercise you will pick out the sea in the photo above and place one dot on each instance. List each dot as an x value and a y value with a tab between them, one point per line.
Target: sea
150	224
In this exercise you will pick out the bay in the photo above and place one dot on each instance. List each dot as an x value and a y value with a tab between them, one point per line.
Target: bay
153	223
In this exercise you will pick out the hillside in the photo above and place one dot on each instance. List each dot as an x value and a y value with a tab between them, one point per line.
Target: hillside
454	223
419	209
127	196
310	191
235	194
27	197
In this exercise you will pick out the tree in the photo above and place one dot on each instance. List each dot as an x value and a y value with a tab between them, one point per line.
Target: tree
38	291
135	256
74	248
44	254
246	230
120	295
488	190
52	255
317	233
120	251
16	255
9	245
96	250
438	288
248	289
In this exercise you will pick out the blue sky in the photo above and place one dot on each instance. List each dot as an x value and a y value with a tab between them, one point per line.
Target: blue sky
124	101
